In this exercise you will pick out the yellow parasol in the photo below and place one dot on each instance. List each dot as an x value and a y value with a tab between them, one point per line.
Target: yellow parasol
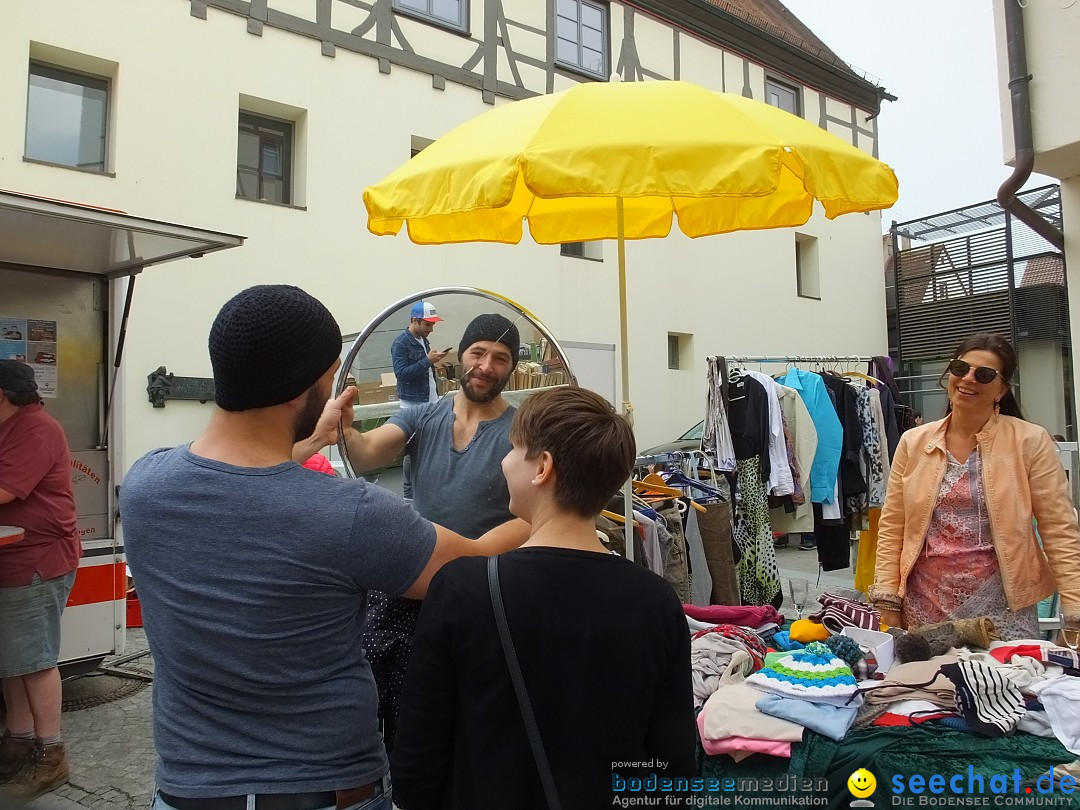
615	160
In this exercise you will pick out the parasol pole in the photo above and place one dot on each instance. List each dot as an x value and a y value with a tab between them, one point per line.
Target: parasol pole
624	355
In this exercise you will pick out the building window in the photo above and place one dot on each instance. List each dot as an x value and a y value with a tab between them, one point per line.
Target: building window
679	345
783	96
66	117
418	144
264	159
581	35
807	279
592	250
451	13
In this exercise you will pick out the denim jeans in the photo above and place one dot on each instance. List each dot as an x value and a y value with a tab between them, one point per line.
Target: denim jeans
380	801
30	624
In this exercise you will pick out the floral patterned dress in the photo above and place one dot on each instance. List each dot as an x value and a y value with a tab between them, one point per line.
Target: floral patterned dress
957	575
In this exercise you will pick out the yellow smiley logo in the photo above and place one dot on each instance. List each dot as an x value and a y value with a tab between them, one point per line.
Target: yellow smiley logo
861	783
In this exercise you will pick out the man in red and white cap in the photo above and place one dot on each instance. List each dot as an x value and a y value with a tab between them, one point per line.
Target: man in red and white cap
413	358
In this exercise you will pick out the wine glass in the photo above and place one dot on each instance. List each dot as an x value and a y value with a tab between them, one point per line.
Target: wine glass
1070	634
798	590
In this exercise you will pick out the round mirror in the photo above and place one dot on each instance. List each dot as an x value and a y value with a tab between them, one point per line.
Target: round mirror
447	313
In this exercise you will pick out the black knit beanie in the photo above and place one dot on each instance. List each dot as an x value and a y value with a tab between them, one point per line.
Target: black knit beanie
268	345
491	327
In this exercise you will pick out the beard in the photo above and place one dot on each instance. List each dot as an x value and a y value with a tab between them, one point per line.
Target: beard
308	418
495	386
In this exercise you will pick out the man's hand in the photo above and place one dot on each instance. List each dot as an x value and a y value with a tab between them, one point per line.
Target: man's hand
435	357
326	429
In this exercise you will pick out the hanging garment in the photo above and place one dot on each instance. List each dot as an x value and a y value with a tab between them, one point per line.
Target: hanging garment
830	433
898	416
798	497
833	542
869	459
748	415
804	437
867	559
759	577
675	570
716	538
780	478
878	498
852	482
616	539
654	559
716	440
701	583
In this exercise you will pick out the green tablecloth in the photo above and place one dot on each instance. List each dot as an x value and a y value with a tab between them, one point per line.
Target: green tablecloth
885	752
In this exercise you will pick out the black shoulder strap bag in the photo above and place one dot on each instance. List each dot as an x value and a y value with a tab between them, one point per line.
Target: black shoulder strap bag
535	742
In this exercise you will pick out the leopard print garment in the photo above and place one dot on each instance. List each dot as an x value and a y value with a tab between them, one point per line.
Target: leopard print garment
759	577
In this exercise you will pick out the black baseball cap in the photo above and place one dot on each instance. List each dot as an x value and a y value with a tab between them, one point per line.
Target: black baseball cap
17	377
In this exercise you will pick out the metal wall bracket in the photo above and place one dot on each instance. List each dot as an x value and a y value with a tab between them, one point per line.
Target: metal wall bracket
161	385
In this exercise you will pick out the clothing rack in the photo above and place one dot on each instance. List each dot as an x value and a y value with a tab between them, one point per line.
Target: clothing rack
795	358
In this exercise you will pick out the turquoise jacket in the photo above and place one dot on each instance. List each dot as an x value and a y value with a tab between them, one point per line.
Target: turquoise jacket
830	432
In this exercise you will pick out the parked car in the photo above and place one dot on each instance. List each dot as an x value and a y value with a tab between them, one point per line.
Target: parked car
691	440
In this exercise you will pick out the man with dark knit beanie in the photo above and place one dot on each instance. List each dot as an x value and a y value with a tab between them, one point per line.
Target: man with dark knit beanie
253	570
457	446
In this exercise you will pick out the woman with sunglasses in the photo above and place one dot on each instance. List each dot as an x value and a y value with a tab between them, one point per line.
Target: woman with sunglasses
956	538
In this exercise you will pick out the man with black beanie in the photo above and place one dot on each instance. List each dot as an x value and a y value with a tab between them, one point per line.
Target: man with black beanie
252	571
457	446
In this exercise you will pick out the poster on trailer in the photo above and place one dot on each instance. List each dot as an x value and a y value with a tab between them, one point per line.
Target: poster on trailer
32	342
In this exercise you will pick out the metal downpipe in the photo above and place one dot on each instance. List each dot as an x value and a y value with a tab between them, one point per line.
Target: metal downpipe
1020	94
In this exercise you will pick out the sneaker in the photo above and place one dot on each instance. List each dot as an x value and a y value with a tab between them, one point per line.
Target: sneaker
807	546
46	770
780	542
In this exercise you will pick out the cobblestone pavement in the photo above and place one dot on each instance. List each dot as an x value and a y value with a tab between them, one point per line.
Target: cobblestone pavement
110	750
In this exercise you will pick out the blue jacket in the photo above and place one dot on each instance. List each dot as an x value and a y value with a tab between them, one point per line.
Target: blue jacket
830	432
412	368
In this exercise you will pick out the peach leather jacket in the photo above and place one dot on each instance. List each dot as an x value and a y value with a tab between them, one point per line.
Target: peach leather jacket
1022	476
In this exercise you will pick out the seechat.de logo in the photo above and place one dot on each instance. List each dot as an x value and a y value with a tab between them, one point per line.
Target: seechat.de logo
862	783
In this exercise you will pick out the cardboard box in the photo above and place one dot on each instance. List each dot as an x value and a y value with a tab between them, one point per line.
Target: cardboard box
376	395
881	643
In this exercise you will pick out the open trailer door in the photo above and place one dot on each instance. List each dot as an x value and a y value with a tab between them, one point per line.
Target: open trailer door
67	277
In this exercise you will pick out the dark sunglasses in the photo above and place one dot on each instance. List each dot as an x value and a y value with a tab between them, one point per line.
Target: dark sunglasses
983	374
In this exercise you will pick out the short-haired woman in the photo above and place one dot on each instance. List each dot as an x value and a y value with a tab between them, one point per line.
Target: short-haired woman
956	538
602	643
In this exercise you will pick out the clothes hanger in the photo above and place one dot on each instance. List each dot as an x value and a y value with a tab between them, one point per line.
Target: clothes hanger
620	519
648	486
862	376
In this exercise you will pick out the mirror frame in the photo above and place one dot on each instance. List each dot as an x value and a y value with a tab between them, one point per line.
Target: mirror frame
358	342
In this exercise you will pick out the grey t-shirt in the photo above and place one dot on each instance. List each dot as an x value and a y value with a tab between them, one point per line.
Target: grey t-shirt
463	490
251	583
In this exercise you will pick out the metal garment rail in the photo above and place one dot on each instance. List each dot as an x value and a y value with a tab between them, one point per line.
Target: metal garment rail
795	358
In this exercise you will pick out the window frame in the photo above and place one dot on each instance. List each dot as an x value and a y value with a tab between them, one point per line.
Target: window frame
674	352
807	267
288	138
84	79
590	250
795	90
460	27
605	15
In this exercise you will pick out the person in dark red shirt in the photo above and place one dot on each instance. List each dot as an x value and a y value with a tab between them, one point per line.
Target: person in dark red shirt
36	575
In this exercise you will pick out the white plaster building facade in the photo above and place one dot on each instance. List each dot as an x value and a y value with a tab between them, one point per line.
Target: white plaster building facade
333	94
1051	29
